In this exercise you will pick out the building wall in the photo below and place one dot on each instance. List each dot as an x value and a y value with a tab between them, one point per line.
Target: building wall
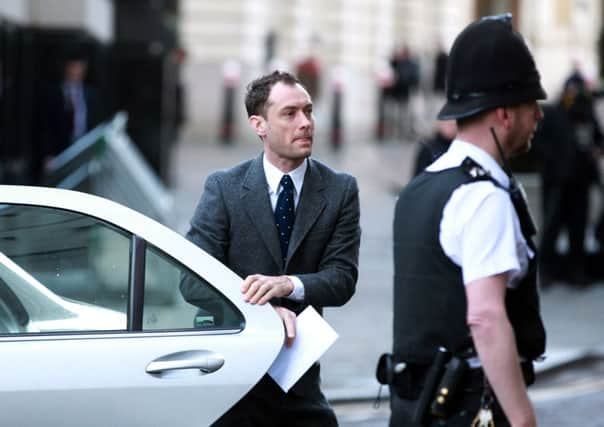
353	39
563	33
14	10
94	16
98	18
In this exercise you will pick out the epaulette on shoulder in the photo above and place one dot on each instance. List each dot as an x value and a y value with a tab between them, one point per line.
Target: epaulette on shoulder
474	170
478	173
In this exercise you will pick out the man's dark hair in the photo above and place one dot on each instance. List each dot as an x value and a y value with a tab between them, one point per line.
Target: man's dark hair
258	91
463	122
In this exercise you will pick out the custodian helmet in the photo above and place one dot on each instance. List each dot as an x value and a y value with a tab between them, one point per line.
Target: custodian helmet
489	66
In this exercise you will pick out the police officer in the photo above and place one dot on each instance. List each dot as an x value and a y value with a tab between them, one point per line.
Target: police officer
464	261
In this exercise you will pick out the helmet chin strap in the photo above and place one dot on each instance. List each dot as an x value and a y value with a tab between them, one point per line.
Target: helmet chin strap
517	194
505	164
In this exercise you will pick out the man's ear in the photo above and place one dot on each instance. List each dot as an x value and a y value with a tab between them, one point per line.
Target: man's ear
503	117
258	125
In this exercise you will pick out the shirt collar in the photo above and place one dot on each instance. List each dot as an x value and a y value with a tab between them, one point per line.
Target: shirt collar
274	175
459	150
72	85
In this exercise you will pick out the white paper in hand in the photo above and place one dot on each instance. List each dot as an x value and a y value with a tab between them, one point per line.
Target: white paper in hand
313	337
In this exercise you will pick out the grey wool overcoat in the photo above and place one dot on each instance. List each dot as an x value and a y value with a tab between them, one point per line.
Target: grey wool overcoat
234	222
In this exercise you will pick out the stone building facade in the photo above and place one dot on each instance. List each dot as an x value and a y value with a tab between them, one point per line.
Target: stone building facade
352	39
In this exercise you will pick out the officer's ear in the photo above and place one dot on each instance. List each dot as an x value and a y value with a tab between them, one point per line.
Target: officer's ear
258	125
503	116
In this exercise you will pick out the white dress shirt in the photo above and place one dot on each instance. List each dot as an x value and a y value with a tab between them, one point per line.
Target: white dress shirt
479	228
74	93
273	179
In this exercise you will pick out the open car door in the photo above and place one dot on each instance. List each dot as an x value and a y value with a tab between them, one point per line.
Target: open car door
109	318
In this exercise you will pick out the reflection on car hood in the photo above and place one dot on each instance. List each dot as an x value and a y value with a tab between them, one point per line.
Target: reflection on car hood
57	313
86	317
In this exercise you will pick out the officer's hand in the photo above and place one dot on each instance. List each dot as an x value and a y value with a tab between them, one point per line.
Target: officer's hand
289	321
260	289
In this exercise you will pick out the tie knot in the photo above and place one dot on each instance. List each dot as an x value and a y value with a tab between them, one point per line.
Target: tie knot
287	183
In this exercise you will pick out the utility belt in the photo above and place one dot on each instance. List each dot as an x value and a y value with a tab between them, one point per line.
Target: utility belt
439	386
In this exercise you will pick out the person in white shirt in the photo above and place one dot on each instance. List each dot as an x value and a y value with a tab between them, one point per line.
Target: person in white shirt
465	273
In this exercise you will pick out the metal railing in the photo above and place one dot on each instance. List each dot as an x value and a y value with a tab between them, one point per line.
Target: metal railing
105	162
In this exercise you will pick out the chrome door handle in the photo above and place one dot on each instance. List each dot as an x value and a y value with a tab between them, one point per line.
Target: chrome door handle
204	360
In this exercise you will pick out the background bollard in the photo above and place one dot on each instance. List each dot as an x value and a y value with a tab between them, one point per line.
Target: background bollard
231	72
336	116
385	80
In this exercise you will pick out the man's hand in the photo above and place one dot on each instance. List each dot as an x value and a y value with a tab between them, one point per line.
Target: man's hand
260	289
289	321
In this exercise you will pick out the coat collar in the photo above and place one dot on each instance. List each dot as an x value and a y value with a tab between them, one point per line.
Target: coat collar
311	204
257	204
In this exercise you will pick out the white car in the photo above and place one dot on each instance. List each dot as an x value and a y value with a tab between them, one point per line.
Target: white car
83	340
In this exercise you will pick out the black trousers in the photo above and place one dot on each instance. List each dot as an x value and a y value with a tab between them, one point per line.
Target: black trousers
465	410
564	206
266	405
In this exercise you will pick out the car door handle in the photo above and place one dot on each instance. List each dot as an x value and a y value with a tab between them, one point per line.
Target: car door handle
204	360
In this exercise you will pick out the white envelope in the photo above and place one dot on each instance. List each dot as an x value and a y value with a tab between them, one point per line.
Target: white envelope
313	337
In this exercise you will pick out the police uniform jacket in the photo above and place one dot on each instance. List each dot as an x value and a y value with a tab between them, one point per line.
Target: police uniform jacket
456	223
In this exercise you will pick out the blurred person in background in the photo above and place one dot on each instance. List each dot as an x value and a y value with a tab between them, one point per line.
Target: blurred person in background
432	148
386	108
406	79
438	80
567	144
440	70
70	109
290	226
308	71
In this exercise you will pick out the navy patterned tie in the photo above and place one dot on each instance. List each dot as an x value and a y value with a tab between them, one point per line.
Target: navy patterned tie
284	214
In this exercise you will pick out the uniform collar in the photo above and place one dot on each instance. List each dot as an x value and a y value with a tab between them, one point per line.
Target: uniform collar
459	150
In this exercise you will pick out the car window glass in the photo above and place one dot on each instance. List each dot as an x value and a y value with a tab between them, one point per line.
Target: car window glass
177	298
61	271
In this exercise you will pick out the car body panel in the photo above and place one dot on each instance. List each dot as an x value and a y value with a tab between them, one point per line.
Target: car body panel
100	378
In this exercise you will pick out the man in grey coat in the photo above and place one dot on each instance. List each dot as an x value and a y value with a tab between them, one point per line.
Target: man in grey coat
289	225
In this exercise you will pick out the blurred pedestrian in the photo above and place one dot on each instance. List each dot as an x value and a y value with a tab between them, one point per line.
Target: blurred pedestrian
465	284
70	109
406	79
432	148
566	146
440	70
309	72
438	80
290	226
575	82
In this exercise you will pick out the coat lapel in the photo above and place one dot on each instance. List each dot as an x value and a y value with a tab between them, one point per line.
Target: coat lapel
258	207
311	204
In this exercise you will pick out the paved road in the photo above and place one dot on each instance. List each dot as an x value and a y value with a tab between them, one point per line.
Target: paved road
569	397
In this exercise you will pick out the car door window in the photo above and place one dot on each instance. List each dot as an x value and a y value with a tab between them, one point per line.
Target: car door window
61	271
177	298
